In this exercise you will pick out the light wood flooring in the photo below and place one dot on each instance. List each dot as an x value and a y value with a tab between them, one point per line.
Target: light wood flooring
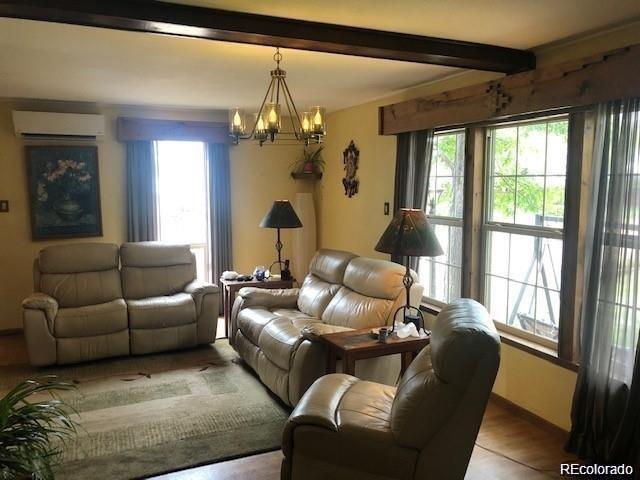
508	446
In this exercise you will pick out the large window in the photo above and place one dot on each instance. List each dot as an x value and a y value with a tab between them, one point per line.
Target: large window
442	276
526	167
183	198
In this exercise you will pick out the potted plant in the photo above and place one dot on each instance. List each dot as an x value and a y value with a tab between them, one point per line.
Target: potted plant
33	430
311	161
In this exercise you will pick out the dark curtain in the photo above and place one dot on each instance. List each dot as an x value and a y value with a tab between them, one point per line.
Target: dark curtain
413	164
142	211
219	209
606	404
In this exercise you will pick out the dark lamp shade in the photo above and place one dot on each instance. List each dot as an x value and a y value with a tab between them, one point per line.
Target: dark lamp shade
409	234
281	215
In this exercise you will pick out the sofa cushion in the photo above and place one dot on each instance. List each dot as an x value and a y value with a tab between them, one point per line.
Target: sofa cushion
279	340
329	265
154	254
252	320
84	288
375	278
315	295
162	312
351	309
153	269
91	320
298	319
78	257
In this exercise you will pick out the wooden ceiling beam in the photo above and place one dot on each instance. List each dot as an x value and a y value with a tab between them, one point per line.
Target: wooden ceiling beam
223	25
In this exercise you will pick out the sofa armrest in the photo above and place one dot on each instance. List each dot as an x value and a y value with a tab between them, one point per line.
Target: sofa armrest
44	302
271	298
314	331
317	406
201	288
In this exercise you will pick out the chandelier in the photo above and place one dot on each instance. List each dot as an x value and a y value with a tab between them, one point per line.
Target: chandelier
267	123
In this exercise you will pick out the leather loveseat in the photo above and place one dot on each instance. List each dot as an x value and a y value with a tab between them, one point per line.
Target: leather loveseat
276	331
86	308
345	428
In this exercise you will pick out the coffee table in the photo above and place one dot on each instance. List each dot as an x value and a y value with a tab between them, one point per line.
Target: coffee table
355	345
231	287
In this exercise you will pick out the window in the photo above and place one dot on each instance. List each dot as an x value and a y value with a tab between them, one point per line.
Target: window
525	171
183	198
442	276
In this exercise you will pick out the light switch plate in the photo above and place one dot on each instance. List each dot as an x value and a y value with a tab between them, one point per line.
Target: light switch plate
4	206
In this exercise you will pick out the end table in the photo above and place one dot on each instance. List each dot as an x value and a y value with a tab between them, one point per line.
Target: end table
231	287
355	345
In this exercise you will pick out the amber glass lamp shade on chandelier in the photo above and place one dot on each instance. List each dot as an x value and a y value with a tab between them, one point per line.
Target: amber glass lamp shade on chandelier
308	126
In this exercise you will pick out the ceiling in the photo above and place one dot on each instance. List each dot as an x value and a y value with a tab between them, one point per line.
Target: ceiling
63	62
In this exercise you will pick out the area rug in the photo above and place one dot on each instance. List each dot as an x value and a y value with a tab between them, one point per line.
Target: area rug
143	416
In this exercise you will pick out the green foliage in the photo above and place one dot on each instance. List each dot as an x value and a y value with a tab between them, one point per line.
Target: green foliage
310	156
527	192
33	431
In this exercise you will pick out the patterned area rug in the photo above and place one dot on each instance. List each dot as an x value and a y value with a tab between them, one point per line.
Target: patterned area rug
148	415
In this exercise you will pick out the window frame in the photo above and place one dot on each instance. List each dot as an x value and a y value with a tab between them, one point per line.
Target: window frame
446	220
514	228
581	135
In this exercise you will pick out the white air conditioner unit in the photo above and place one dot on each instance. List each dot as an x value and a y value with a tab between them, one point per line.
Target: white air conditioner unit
67	126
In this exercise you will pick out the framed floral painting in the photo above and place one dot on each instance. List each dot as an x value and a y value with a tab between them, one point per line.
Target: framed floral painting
64	190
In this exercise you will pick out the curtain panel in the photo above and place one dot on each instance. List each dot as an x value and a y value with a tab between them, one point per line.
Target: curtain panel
142	210
606	404
413	164
219	209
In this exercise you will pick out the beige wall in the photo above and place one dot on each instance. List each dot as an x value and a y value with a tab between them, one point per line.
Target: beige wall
258	176
356	223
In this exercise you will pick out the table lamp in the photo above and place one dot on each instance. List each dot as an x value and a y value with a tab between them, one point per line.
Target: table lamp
281	215
409	234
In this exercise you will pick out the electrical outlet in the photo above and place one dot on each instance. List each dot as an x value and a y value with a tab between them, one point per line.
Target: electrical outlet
386	208
4	206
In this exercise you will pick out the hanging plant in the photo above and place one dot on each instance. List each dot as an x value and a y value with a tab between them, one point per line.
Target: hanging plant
311	161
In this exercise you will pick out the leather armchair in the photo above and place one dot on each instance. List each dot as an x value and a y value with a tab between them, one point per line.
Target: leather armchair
345	428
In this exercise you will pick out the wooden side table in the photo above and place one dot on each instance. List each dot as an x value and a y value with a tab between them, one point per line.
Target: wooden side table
355	345
231	287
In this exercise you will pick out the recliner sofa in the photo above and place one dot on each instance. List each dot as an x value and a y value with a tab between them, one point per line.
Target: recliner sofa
345	428
277	332
85	308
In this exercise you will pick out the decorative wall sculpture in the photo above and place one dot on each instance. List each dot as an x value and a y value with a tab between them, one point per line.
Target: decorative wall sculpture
350	159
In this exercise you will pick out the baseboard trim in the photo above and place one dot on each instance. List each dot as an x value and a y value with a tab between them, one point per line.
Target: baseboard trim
11	331
528	416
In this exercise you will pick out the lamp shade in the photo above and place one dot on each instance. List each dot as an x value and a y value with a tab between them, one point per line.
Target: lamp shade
409	234
281	215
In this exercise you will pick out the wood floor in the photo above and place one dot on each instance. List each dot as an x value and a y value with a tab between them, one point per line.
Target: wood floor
508	446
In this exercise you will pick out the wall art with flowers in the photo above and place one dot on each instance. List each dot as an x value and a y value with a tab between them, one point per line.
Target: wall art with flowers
64	189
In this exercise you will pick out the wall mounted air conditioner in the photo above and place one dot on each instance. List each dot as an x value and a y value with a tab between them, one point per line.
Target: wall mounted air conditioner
58	126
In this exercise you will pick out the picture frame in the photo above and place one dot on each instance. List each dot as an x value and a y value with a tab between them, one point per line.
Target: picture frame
64	191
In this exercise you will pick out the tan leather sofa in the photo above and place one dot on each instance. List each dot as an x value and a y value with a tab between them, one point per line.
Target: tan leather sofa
345	428
85	308
276	331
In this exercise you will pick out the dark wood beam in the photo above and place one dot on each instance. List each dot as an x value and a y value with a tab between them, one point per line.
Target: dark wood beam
577	83
213	24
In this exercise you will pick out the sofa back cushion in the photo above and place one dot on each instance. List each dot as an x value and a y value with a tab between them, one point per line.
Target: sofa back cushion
326	273
315	295
376	278
154	269
79	274
330	265
354	310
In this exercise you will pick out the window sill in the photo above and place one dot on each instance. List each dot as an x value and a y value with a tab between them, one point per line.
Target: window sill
514	341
